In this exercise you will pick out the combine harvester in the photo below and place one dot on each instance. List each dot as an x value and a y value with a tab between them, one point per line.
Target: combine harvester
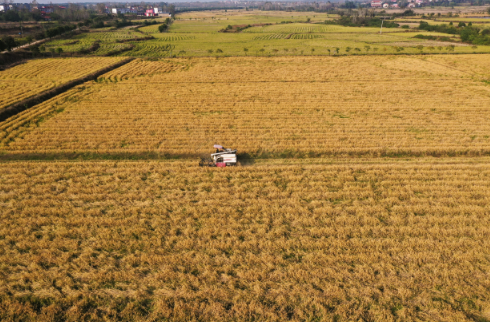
222	158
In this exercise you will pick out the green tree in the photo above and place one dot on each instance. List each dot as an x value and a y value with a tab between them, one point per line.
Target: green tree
51	50
59	50
219	51
3	46
35	51
29	39
245	50
9	42
328	51
368	48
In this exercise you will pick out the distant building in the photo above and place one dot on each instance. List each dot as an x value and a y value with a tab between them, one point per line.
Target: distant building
376	4
4	7
123	11
132	10
150	13
47	9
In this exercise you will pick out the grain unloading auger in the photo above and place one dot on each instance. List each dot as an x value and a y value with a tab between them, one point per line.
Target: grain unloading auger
223	157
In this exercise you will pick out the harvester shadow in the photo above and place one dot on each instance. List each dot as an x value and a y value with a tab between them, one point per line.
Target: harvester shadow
245	159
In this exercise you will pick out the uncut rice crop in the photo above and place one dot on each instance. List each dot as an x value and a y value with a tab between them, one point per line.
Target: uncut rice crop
288	106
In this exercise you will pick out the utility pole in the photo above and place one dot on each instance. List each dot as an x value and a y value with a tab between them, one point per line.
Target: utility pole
381	30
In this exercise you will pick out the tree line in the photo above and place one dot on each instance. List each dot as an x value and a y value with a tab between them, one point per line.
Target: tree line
9	42
468	32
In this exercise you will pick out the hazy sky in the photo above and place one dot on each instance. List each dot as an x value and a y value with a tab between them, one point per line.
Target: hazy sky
97	1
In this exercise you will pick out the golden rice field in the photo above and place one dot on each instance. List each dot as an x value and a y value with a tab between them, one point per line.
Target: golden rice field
169	241
364	193
36	76
281	106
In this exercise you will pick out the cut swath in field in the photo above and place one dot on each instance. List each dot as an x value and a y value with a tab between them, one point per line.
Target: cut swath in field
172	240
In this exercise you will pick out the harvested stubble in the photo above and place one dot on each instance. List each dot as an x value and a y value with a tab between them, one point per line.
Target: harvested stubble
157	241
387	105
36	76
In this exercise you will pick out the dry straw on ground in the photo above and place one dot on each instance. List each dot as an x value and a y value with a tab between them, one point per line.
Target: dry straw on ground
171	241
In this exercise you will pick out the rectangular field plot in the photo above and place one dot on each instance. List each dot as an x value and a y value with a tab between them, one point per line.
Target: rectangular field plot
388	105
172	241
26	80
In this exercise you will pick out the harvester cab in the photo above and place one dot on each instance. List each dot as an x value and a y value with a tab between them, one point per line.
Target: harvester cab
223	157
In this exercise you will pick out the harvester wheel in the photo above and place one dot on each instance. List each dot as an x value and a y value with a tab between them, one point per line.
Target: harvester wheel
205	162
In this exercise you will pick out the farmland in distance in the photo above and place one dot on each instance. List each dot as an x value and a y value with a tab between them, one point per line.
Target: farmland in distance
272	33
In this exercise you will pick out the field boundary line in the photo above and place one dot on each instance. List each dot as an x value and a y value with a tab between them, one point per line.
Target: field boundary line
29	102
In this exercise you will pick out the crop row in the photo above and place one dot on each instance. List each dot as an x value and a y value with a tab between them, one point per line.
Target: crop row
268	242
126	34
139	67
176	38
308	28
270	37
153	49
306	36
